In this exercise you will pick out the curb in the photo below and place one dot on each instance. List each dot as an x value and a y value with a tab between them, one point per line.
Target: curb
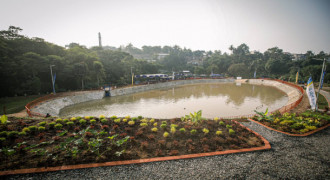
138	161
290	134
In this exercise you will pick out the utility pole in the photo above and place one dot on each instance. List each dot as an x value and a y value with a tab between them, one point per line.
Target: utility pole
100	40
51	73
318	91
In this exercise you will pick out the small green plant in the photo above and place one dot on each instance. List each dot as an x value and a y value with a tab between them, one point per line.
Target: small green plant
164	122
101	116
70	123
193	131
206	131
163	126
32	128
154	129
65	121
152	120
13	134
264	116
228	126
173	130
87	117
104	121
82	121
131	123
183	130
155	124
221	123
73	119
92	121
144	120
174	125
3	134
134	119
195	117
2	139
143	124
139	117
113	117
117	120
216	119
57	126
41	128
59	120
52	124
218	133
127	117
231	132
125	120
42	123
25	129
166	134
23	133
78	117
4	119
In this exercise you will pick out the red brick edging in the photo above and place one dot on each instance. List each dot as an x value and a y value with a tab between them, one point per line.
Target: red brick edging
290	134
138	161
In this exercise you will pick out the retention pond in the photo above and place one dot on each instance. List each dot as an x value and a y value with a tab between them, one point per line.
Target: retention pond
214	99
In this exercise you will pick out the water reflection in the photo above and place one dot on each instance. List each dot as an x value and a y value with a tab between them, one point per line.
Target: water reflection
213	99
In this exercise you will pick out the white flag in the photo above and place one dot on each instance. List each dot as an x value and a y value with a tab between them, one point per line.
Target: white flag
311	93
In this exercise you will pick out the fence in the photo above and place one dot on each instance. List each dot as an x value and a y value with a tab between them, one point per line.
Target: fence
52	96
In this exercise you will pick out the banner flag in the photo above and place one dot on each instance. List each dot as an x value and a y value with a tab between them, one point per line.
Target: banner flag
322	79
311	93
54	78
297	77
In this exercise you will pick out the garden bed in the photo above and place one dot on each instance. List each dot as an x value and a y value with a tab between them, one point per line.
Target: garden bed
48	143
293	124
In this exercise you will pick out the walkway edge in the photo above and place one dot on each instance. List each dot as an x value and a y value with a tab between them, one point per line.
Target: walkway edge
290	134
138	161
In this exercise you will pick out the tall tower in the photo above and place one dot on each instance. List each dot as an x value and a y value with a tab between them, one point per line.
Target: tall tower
100	41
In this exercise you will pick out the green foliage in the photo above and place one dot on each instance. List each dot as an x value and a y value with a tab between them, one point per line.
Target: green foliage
92	121
41	128
82	121
13	134
44	123
164	122
65	121
23	133
221	123
264	116
52	124
139	117
152	120
32	128
59	121
7	151
163	126
58	126
104	121
173	130
4	119
117	120
228	126
3	134
231	132
218	133
113	117
195	117
131	123
154	129
2	139
26	129
206	131
166	134
183	130
193	131
144	124
70	123
134	119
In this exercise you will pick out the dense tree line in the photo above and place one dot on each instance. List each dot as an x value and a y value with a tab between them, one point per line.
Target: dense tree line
25	64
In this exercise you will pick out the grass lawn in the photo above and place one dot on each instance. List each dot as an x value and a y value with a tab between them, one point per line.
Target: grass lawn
15	104
322	102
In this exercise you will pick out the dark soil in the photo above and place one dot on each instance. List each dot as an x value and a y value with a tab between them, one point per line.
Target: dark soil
110	141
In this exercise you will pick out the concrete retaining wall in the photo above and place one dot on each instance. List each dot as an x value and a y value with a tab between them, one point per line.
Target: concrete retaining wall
54	106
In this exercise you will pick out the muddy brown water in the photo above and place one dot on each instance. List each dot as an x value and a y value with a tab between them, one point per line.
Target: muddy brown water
215	100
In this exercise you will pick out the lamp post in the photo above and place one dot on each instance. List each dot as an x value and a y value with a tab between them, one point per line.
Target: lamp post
323	69
132	75
51	73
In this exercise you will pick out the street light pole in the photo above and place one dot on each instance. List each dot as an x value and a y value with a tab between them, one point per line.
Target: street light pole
318	91
51	73
132	76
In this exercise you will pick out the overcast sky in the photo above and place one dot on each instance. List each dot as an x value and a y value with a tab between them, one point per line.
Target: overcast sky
292	25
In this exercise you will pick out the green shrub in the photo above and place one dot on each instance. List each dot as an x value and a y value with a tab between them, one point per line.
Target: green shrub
32	128
166	134
58	126
134	119
78	117
70	123
218	133
164	122
104	121
23	133
82	121
2	139
52	124
221	123
113	117
144	120
154	129
93	121
127	117
42	123
152	120
163	126
139	117
216	119
173	130
101	116
73	119
297	126
174	125
87	117
206	131
3	134
13	134
193	131
228	126
155	124
117	120
231	132
131	123
65	120
25	129
125	120
143	124
59	120
182	130
41	128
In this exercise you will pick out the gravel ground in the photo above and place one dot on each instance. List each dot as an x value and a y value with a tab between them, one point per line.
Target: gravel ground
289	158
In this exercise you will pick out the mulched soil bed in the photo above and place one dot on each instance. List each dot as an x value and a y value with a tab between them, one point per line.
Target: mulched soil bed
112	139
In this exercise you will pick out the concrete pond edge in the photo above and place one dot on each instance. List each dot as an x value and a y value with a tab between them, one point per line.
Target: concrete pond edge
266	146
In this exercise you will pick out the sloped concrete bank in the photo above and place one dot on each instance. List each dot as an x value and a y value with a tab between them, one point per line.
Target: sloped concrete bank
54	106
